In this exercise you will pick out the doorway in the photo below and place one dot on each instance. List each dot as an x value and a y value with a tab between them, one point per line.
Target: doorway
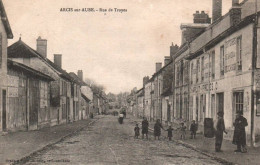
4	110
220	102
168	111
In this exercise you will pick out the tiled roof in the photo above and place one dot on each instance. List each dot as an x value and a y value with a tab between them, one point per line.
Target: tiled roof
77	79
20	50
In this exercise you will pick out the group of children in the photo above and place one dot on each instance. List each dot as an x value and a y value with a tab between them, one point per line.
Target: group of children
181	129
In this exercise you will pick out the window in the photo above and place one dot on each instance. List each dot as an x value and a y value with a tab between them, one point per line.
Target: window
181	74
239	53
186	107
222	60
213	64
239	101
1	54
198	70
202	69
191	108
177	75
186	72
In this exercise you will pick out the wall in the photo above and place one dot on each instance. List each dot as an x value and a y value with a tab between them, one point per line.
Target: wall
16	101
232	81
3	69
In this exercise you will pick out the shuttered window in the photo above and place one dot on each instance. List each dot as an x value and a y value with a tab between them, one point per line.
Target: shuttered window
222	60
239	53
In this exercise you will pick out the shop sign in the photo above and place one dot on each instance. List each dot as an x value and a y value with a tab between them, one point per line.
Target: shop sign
204	88
230	55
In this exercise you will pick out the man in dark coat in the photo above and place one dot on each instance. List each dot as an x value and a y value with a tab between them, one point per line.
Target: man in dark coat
145	125
157	129
239	137
220	128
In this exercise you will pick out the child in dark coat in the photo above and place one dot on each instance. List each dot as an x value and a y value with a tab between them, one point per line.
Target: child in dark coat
137	131
182	129
193	129
169	130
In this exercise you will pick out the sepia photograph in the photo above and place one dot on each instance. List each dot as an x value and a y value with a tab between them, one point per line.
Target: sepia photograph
130	82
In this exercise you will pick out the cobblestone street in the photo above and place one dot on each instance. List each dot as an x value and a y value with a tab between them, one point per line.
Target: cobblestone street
108	142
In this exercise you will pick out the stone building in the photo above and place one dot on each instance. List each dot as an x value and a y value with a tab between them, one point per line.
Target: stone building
60	89
148	96
217	70
5	34
140	102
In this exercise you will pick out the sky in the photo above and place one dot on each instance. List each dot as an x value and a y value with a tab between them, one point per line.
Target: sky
112	48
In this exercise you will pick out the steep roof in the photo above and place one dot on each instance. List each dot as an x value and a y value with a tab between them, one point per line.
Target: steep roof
77	79
28	70
5	21
21	50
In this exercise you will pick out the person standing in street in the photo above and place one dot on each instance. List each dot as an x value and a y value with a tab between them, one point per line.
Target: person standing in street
182	131
157	129
220	128
145	125
169	130
193	129
239	137
137	131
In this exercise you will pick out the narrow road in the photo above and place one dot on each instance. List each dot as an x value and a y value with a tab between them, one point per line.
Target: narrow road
107	142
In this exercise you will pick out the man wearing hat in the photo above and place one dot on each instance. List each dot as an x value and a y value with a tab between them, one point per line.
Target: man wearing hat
220	128
239	137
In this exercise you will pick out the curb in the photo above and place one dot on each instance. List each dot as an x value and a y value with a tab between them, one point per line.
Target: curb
187	145
25	159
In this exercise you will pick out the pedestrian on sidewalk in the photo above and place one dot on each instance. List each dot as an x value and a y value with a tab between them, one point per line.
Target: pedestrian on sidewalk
145	125
137	131
182	131
239	137
157	129
220	128
169	130
193	129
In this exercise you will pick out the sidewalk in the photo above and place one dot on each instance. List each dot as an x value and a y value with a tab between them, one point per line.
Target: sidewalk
19	145
207	147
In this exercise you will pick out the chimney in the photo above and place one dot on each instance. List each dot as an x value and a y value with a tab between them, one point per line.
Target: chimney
217	9
145	80
80	74
167	60
235	15
173	50
235	3
42	46
158	66
57	60
201	18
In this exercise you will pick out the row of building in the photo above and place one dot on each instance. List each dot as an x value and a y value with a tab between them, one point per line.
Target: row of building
216	68
36	92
